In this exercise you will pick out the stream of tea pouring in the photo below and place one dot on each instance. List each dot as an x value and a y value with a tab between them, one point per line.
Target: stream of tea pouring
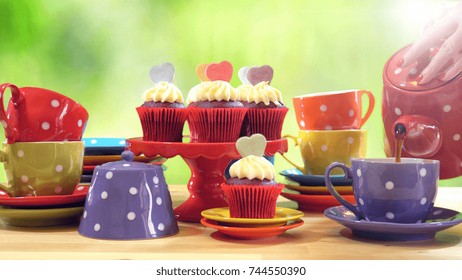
400	134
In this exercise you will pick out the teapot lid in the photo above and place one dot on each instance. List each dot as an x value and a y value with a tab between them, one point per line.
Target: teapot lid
127	164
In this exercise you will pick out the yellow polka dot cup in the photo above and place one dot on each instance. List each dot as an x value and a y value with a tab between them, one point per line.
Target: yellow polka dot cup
320	148
40	115
332	110
42	168
389	191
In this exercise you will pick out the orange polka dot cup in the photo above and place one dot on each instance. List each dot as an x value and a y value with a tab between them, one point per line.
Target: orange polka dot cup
37	114
320	148
335	110
42	168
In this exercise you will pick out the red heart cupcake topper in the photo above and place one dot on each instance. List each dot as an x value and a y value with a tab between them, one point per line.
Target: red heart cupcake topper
256	75
164	72
200	72
222	71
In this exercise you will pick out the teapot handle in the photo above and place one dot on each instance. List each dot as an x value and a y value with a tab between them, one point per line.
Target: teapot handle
16	98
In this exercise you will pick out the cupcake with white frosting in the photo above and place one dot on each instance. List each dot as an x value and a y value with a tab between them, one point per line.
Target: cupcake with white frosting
266	110
216	114
162	113
251	189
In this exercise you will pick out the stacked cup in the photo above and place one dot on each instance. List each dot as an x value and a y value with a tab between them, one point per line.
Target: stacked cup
43	154
330	128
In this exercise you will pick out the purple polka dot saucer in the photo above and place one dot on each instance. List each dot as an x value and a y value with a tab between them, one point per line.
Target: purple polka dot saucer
128	200
438	219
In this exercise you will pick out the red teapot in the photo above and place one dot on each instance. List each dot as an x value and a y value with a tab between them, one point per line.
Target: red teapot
431	114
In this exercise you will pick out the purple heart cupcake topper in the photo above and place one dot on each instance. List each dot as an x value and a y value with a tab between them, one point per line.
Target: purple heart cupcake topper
263	73
162	73
243	75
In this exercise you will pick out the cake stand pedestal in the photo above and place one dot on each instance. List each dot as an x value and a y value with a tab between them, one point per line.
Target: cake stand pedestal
207	162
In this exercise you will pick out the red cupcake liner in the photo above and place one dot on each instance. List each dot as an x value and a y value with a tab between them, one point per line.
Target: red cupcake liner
254	202
215	124
267	122
162	124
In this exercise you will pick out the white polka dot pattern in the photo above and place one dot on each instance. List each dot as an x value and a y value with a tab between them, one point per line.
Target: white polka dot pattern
20	153
161	227
54	103
133	191
323	108
104	195
97	227
45	125
59	168
398	111
155	180
389	185
109	175
159	201
131	216
390	215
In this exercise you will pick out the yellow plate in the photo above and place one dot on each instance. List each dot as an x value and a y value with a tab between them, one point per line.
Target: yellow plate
283	215
316	190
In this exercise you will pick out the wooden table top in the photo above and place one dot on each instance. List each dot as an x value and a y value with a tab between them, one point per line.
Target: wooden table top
319	238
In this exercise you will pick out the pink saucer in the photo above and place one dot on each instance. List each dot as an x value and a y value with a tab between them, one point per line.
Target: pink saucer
79	195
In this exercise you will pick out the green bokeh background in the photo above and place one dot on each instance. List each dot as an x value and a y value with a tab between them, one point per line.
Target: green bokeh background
99	52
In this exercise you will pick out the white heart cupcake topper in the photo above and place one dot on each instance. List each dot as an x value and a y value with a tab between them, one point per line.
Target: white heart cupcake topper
243	75
164	72
253	145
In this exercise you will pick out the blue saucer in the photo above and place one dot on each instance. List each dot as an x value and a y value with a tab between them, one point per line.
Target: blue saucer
439	219
314	180
103	146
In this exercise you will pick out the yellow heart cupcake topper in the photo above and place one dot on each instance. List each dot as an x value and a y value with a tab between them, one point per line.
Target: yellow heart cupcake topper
253	145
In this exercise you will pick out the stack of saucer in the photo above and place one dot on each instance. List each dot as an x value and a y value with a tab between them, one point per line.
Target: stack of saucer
310	191
244	228
103	150
43	211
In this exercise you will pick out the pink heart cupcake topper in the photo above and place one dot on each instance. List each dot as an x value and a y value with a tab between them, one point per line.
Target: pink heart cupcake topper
162	73
256	75
222	71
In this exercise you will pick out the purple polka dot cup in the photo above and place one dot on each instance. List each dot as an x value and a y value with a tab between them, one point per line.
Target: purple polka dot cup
332	110
319	148
42	168
40	115
389	191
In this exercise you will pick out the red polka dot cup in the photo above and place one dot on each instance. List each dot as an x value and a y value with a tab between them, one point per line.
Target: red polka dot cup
332	110
389	191
42	168
432	114
37	114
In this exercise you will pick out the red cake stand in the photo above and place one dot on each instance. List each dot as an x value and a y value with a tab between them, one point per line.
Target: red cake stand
207	162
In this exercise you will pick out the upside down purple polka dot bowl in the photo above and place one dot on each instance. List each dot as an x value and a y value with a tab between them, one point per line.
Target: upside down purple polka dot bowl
128	200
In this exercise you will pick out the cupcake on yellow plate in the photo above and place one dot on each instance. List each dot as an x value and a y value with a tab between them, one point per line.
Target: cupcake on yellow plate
163	113
251	189
215	115
266	110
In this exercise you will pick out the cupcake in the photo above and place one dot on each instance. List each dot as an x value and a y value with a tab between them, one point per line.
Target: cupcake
251	189
215	113
266	111
163	113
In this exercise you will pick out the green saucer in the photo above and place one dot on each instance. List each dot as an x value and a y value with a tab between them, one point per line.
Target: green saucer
40	217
